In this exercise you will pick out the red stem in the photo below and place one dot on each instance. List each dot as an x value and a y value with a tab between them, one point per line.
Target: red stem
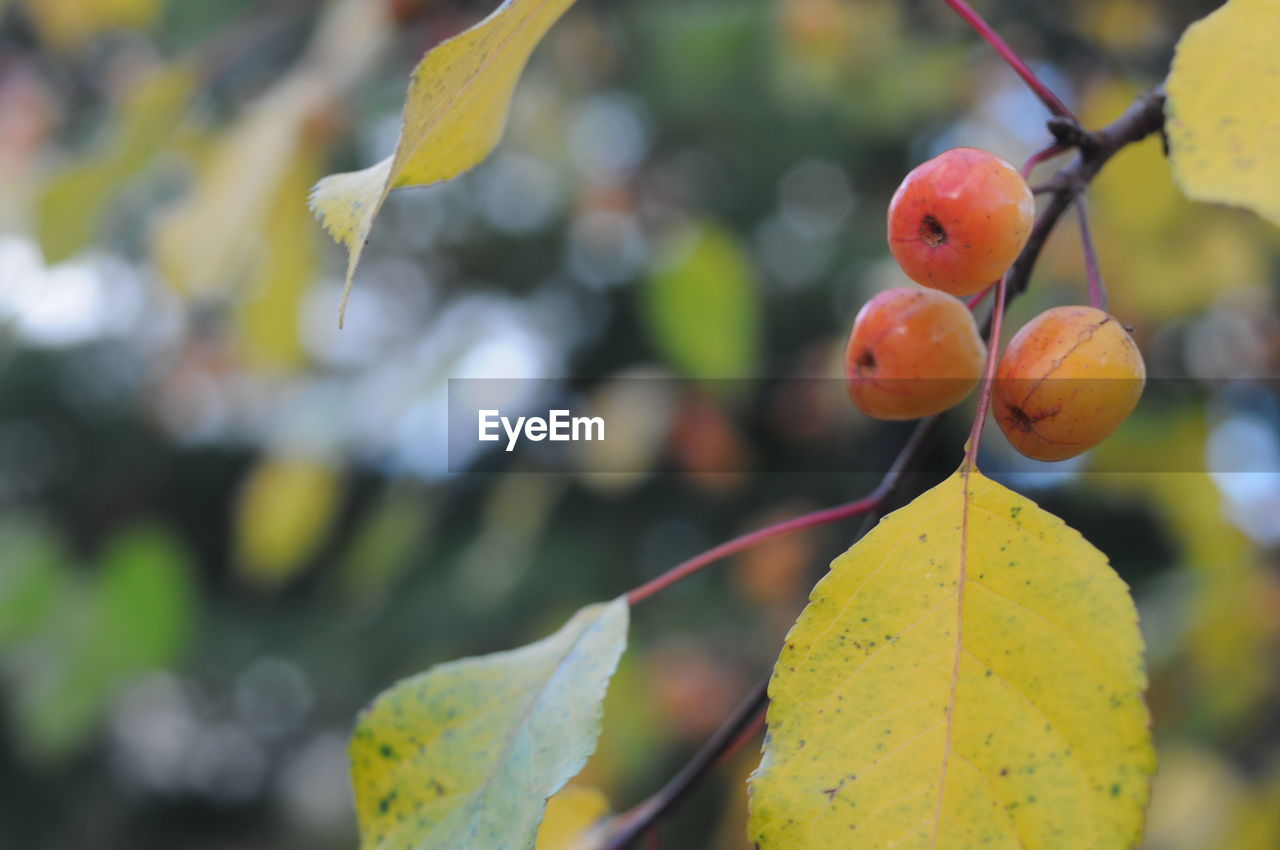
988	379
1042	155
1047	97
746	541
975	300
1092	269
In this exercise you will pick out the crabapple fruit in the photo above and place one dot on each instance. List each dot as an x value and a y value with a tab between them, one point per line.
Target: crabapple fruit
1068	379
959	221
913	352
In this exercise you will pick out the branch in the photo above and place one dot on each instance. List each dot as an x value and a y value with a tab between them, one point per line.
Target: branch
1143	117
636	822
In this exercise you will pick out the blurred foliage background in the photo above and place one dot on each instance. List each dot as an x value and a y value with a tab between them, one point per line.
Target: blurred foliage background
227	525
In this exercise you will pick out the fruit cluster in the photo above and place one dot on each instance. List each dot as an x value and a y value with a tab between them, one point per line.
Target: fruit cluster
957	223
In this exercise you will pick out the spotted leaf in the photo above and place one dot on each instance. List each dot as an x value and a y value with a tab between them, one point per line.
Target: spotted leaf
968	675
465	755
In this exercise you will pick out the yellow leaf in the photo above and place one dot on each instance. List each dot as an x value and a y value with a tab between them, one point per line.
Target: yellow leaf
465	755
68	24
213	239
454	115
268	315
72	206
969	674
285	506
572	819
1224	137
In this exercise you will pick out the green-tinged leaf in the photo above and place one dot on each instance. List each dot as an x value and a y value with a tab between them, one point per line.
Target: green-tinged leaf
454	115
702	304
465	755
146	602
1224	140
135	613
60	690
33	575
70	211
968	675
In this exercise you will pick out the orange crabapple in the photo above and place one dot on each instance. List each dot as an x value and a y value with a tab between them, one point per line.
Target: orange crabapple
959	221
913	352
1067	380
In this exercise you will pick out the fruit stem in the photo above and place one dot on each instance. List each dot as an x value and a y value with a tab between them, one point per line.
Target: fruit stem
989	377
1055	149
746	541
868	505
1047	97
1092	268
976	299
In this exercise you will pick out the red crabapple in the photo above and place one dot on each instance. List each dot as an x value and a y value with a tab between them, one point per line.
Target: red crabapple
913	352
959	221
1068	379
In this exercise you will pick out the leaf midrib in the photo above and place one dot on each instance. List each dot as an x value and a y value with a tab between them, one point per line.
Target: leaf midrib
959	649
